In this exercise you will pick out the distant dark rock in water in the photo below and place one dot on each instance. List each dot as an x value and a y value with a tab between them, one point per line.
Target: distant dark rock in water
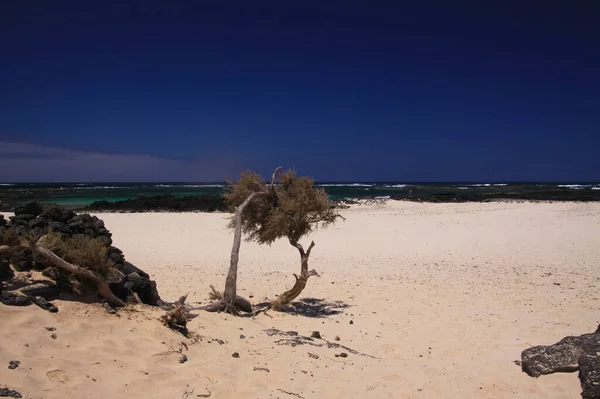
164	203
568	355
553	195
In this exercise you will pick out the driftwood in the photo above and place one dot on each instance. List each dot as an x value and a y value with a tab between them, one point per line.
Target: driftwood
176	318
102	286
287	297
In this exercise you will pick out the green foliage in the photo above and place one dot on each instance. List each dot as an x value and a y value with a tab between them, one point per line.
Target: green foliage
291	209
81	250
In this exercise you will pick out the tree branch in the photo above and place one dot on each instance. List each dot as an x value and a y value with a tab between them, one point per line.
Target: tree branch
310	247
273	178
299	246
101	283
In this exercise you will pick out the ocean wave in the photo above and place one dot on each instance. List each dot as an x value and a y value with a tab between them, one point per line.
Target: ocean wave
6	184
574	186
95	187
395	185
383	197
188	185
203	185
346	185
463	188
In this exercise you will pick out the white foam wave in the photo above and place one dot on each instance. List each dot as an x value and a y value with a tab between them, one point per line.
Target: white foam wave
96	187
346	185
203	185
396	185
189	185
574	186
6	184
596	188
383	197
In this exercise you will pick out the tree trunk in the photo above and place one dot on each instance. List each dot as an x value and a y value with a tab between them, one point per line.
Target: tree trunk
231	302
101	283
287	297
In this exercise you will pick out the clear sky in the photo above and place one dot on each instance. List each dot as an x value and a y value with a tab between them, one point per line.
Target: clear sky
151	90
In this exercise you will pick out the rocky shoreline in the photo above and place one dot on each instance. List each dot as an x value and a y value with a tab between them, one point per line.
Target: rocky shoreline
214	203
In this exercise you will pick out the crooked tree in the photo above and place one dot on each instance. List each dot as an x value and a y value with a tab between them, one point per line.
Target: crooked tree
254	187
291	210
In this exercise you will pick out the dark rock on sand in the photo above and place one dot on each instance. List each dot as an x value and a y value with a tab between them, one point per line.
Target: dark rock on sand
562	356
22	260
128	279
5	271
56	214
589	375
33	220
47	290
567	355
44	304
22	219
32	208
13	364
9	393
11	298
39	221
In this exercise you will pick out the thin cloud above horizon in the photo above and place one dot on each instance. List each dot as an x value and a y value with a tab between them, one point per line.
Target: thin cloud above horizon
23	162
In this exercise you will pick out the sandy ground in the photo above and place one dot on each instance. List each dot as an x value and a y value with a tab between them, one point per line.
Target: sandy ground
444	297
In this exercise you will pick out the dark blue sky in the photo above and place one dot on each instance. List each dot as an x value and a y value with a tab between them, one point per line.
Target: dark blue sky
342	90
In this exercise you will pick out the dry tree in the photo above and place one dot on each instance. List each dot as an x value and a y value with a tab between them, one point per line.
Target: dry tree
291	210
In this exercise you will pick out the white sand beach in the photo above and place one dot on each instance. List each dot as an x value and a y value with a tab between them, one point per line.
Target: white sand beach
442	297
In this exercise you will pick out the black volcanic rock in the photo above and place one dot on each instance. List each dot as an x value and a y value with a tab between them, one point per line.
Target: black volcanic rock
169	203
22	219
124	278
568	355
5	270
589	376
56	214
39	221
22	260
31	208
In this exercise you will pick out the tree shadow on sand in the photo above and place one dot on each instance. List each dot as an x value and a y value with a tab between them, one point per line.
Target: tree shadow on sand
317	308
